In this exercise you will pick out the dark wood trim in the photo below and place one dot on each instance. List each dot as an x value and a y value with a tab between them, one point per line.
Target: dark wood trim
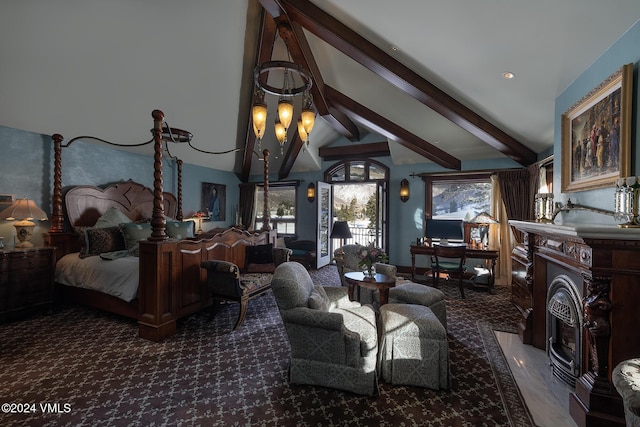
265	50
343	38
300	51
391	130
374	149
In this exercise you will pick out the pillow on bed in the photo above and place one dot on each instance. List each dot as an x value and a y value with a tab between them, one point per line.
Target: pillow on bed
99	240
180	229
133	233
112	218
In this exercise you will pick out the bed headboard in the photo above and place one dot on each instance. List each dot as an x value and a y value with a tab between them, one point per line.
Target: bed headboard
85	204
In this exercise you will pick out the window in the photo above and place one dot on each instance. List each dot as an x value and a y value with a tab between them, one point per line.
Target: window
458	197
282	207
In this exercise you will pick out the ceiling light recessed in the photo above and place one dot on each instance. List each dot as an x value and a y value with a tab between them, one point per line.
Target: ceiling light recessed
508	75
393	47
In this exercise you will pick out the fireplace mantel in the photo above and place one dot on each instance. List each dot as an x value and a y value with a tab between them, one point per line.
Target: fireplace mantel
581	231
605	263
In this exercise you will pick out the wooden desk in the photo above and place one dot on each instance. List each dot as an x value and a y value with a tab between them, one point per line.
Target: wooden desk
380	282
489	255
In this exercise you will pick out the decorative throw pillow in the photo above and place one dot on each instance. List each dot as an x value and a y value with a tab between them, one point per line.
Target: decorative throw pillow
319	300
99	240
260	254
133	233
112	218
180	229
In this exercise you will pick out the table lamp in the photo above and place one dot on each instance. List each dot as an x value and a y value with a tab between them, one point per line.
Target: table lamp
24	210
484	220
340	230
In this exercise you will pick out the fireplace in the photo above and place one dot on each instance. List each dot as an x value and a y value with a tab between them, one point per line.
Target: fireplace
590	277
564	328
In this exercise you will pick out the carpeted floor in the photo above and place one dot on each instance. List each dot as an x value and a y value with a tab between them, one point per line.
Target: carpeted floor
100	373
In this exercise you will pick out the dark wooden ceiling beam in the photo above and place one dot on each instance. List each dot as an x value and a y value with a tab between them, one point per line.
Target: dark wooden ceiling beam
391	130
355	151
265	50
343	38
290	156
300	51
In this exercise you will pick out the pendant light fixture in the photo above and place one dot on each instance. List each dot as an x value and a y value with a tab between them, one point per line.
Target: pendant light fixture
295	81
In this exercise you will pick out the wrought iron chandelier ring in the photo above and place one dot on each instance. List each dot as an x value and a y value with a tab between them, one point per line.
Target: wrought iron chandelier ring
284	66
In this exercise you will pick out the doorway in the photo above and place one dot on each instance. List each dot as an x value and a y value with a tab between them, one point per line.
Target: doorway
359	189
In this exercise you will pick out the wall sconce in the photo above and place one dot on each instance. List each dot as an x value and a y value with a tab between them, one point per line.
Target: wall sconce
544	207
311	192
626	202
404	190
23	210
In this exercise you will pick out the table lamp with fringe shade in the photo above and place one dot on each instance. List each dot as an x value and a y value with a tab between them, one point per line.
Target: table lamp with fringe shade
23	210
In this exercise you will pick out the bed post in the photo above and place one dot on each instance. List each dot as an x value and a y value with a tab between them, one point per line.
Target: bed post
56	236
265	208
179	216
158	222
57	218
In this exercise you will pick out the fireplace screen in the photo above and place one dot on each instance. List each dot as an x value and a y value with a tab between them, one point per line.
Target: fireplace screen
564	328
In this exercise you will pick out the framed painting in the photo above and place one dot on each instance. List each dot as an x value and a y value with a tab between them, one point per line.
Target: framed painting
596	135
214	198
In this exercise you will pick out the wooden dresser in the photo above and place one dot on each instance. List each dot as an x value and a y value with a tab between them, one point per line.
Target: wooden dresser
605	263
26	281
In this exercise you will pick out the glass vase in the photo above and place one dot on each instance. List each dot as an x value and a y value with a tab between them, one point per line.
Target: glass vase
369	271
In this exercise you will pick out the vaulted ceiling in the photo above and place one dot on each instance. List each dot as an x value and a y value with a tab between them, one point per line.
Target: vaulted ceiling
418	81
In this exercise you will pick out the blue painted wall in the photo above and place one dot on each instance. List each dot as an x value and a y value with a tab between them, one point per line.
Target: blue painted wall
27	171
626	50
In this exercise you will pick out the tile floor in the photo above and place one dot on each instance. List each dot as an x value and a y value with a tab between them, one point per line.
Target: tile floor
546	396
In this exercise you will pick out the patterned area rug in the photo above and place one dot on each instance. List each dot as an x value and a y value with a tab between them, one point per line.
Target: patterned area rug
80	367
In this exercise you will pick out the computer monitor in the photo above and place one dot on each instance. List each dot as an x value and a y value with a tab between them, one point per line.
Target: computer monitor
450	229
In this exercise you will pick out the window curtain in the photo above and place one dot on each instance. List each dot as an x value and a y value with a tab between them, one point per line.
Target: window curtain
502	234
521	188
247	208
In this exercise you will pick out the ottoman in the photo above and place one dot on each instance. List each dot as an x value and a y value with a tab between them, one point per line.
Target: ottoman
415	293
414	348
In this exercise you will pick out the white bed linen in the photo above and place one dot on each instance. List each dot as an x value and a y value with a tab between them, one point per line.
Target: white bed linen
118	277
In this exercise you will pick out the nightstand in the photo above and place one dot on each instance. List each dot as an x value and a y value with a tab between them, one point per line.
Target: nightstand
26	281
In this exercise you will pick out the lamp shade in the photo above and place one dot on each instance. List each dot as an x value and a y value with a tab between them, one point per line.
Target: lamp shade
259	116
311	192
23	209
304	136
404	190
483	218
281	132
340	230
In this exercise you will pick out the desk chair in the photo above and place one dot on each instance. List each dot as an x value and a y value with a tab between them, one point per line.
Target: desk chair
448	260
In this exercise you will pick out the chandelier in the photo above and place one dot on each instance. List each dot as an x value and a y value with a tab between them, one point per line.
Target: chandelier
291	73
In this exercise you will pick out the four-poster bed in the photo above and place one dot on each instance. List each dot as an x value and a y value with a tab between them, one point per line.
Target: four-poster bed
171	284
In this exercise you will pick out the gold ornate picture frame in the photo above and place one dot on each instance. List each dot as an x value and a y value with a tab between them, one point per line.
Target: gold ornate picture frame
596	135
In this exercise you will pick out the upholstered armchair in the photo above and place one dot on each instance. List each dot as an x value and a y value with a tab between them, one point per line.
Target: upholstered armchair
227	281
334	341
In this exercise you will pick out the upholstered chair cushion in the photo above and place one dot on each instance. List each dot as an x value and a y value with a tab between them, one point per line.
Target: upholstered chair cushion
318	299
626	379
